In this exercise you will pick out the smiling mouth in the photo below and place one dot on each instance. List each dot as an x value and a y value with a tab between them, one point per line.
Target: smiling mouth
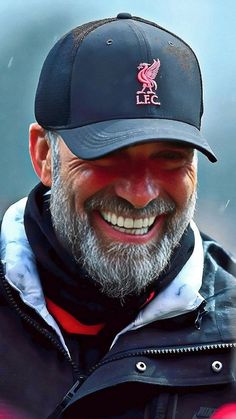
128	225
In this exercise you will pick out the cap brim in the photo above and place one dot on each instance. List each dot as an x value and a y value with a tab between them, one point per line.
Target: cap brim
96	140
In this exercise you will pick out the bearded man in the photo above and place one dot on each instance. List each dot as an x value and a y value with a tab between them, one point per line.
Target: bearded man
113	303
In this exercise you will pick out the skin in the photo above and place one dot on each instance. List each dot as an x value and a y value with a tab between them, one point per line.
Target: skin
138	174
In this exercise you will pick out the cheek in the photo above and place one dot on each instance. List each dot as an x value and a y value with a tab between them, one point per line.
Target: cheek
191	181
180	186
87	183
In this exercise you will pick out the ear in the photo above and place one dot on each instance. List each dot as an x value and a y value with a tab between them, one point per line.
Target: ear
40	153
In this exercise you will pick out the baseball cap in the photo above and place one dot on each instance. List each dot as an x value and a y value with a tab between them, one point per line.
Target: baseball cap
121	81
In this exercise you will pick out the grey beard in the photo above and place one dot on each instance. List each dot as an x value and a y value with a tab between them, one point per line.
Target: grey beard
119	269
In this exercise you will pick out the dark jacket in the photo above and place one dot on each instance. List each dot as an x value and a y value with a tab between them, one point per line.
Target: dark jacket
174	368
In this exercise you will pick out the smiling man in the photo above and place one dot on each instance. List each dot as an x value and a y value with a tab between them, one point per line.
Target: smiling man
114	304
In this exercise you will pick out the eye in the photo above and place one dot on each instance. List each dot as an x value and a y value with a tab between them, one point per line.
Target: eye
173	158
116	158
171	155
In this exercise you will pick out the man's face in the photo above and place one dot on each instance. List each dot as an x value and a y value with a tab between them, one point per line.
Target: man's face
122	215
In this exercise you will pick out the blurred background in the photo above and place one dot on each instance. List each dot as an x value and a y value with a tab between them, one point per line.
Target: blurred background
29	28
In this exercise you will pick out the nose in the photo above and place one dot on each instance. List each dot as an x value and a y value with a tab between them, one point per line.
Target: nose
138	188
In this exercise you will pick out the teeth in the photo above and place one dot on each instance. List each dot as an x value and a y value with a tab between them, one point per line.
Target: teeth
120	221
113	219
145	222
138	223
135	226
136	231
151	221
105	216
128	222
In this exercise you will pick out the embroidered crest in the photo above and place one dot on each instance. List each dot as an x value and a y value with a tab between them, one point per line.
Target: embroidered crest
146	76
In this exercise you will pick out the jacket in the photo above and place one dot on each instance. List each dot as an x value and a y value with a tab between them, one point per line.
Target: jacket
168	366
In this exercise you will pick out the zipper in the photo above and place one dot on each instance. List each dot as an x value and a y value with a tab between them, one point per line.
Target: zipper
36	325
66	400
166	351
147	352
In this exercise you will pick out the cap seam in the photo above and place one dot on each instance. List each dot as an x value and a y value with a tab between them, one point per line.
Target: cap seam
95	24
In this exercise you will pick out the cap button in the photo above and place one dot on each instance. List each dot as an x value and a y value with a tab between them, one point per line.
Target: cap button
124	16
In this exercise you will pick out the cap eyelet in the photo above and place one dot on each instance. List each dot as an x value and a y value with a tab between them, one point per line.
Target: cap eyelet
170	43
216	366
141	366
109	41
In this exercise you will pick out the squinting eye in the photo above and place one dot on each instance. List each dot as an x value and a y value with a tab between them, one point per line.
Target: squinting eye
172	159
170	155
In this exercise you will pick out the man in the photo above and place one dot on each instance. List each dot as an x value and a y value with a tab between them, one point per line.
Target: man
114	305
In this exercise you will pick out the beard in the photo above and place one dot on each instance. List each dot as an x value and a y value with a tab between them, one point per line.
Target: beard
118	269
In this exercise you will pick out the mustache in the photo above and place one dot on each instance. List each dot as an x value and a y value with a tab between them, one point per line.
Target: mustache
119	205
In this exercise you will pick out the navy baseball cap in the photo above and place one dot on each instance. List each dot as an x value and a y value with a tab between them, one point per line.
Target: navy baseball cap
121	81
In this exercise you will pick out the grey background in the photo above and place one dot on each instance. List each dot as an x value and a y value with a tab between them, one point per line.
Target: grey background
29	28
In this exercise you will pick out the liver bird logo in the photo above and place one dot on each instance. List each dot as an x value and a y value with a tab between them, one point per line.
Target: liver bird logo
146	75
